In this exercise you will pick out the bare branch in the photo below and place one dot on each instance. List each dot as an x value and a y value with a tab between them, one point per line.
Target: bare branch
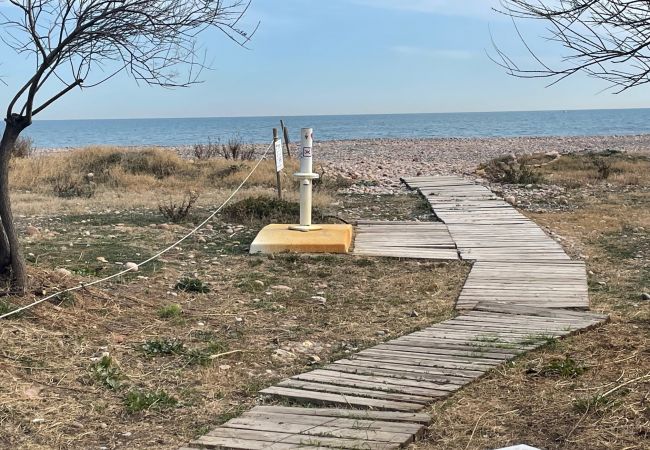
154	41
605	39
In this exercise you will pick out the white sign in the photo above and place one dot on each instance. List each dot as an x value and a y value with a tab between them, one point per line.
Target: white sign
279	161
306	152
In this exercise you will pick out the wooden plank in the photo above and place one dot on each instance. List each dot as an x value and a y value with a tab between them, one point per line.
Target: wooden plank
295	383
328	398
385	416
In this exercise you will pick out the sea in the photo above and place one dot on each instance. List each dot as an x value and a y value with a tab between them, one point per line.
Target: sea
171	132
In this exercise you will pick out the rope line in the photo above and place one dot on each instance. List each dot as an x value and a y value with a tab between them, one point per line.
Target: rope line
148	260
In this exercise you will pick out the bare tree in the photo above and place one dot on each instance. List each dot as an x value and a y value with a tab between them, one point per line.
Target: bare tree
82	43
606	39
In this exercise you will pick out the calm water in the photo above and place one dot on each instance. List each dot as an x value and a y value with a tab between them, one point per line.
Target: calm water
173	132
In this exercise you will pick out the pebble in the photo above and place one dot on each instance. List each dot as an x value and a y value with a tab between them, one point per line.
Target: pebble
283	288
131	266
101	259
32	231
283	355
319	299
645	296
63	272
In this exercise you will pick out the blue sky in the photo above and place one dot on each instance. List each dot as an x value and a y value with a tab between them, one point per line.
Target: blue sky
347	57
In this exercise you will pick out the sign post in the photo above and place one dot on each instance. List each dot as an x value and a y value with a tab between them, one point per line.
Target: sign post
279	161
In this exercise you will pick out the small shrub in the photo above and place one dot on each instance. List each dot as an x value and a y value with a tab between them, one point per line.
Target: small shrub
156	162
510	170
592	403
566	368
107	372
226	172
66	298
6	307
167	346
68	186
234	149
23	148
170	311
178	212
265	210
192	285
137	401
603	168
207	151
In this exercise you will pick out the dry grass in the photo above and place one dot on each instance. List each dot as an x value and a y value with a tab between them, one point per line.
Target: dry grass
524	403
142	363
48	356
129	179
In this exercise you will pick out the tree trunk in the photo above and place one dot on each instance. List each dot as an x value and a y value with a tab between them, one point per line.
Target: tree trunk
11	256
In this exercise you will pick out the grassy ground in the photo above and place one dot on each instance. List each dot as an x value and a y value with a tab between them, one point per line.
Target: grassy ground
591	391
162	355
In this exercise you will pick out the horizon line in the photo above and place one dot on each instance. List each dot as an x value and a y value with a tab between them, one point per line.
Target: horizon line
347	114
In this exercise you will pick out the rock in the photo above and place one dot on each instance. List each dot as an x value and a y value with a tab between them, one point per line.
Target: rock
38	420
511	199
529	186
131	266
314	359
32	231
224	367
381	333
283	355
163	226
552	154
414	313
645	296
90	176
77	425
63	272
319	299
283	288
259	282
101	259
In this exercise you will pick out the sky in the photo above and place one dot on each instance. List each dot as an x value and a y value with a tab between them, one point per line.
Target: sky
313	57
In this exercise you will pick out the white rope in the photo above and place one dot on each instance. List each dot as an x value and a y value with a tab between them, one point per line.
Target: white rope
156	256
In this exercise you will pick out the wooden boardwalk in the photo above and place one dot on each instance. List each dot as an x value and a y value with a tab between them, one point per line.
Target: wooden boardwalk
429	240
516	298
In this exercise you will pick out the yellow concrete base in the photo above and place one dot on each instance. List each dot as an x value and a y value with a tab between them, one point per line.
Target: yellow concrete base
276	238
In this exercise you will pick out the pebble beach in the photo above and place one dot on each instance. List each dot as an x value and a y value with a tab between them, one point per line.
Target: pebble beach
377	164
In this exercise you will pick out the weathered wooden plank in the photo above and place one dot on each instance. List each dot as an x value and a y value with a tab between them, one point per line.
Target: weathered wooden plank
385	416
328	398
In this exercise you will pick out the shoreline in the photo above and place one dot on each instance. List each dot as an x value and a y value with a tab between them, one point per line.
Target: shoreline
640	136
382	162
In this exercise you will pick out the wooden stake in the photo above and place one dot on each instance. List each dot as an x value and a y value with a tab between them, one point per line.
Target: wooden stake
275	156
285	132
